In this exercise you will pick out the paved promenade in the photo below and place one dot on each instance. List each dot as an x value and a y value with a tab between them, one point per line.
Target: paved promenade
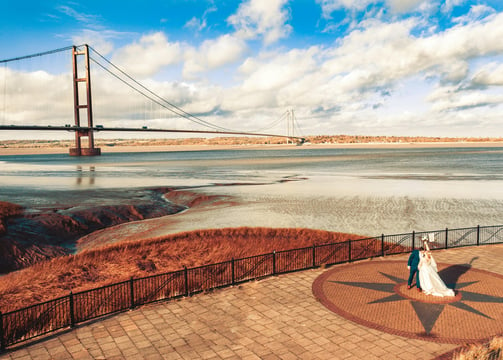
277	318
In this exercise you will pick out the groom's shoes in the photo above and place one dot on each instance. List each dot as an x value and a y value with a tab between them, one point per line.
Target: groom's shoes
419	289
409	286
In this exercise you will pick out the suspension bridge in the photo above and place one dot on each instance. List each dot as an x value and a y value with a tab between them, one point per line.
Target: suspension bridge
32	96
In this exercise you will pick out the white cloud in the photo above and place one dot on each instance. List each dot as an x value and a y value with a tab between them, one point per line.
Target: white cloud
451	4
454	72
329	6
490	74
347	79
88	19
466	100
277	70
397	6
149	55
401	6
199	24
381	51
213	54
381	55
261	18
102	41
390	52
381	77
272	80
196	24
476	13
39	96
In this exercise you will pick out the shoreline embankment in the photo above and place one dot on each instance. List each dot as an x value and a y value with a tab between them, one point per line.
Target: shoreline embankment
34	150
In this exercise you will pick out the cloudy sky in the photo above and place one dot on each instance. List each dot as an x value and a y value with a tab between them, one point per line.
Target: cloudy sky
368	67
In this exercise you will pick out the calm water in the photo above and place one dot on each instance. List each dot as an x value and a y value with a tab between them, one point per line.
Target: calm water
467	171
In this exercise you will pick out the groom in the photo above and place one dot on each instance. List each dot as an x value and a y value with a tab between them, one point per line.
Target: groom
413	270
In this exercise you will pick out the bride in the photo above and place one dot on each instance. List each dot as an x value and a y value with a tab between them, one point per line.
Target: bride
430	281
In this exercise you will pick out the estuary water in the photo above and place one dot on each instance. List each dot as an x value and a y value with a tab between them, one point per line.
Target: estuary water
362	190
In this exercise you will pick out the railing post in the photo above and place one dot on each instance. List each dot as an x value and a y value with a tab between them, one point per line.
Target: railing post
274	262
446	238
349	250
232	271
478	235
382	245
413	239
72	311
314	256
2	340
186	277
131	292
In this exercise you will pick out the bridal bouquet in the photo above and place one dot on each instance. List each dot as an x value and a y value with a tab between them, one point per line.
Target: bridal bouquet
430	237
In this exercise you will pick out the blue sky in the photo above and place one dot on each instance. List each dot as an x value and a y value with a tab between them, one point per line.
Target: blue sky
369	67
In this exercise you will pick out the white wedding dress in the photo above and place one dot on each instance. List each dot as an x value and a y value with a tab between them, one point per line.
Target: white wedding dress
430	281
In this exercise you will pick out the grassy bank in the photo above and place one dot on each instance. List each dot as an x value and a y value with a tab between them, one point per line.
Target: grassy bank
118	262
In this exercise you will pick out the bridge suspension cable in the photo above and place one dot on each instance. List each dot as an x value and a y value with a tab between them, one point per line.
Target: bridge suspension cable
117	73
35	55
149	94
144	91
153	96
296	126
275	123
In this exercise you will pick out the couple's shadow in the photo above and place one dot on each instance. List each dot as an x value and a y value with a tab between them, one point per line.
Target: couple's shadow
451	274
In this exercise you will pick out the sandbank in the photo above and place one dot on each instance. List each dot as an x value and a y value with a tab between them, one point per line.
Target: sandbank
287	206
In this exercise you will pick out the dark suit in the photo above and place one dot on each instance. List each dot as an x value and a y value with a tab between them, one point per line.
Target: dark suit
413	263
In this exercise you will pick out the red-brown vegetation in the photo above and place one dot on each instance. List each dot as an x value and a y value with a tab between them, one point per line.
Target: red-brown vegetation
6	210
13	253
487	351
117	262
40	235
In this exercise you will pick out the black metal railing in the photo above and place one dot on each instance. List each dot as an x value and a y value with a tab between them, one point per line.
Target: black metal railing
67	311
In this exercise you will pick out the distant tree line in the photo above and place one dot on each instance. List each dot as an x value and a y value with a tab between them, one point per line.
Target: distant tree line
249	140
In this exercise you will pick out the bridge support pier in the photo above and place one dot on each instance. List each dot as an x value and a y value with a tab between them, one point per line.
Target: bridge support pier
78	150
85	151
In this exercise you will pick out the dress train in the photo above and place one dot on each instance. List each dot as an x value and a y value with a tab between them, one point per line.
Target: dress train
431	283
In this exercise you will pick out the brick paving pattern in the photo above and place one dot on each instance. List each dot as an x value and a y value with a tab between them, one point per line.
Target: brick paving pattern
375	294
275	318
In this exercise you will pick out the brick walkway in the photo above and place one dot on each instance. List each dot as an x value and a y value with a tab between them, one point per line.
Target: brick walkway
275	318
375	294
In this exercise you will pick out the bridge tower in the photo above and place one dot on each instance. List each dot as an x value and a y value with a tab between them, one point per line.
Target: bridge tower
78	150
290	122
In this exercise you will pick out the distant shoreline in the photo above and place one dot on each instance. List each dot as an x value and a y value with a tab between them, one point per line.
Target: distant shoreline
26	150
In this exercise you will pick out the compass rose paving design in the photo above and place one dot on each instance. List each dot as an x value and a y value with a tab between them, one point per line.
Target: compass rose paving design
374	294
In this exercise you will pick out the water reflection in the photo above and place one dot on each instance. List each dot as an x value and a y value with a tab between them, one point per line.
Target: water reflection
457	173
83	174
